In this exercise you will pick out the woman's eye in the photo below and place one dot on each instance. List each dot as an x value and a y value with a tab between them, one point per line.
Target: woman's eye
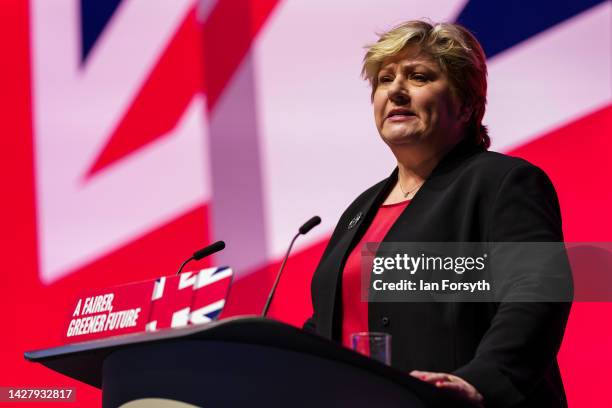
419	77
385	78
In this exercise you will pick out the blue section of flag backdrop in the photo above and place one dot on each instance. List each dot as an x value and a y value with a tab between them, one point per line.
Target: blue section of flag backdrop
95	15
500	25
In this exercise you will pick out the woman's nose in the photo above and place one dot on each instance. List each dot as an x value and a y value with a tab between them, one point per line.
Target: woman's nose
398	93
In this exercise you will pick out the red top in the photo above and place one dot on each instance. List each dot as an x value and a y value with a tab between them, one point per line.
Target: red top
355	312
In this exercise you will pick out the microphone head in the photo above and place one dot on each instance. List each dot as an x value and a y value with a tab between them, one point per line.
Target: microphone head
211	249
310	224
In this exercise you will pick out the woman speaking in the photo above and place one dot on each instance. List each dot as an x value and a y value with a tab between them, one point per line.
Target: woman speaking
429	95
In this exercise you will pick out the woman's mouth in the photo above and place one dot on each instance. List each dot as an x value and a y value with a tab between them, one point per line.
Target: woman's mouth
399	115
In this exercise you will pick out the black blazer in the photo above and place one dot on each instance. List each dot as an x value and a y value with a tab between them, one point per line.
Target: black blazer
506	350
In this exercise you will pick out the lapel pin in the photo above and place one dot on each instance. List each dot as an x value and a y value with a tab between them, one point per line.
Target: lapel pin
355	220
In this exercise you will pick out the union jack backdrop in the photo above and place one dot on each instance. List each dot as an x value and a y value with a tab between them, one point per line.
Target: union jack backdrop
137	131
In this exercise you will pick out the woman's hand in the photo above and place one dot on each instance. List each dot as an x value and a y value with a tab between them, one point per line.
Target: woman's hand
451	382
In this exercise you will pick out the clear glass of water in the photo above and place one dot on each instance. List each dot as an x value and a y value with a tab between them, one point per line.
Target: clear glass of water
373	344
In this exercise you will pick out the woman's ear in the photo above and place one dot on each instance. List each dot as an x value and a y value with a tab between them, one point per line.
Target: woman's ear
465	113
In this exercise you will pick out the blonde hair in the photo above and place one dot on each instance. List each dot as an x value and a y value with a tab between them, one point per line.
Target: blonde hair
457	52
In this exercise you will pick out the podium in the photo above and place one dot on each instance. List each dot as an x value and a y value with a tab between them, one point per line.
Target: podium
244	361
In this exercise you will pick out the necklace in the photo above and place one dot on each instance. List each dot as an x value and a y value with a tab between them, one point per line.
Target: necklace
407	193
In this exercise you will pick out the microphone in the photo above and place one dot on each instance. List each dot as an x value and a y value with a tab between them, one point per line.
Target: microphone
203	253
310	224
304	229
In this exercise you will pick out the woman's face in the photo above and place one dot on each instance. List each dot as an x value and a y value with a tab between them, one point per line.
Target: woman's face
413	102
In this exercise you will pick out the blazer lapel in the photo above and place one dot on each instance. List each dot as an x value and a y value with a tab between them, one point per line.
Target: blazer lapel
358	222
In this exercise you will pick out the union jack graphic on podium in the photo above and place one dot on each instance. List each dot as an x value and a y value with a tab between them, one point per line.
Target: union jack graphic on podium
189	298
